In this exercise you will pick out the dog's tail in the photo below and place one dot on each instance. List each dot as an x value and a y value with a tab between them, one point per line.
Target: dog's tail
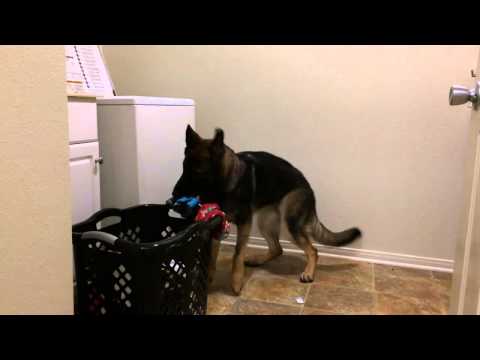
327	237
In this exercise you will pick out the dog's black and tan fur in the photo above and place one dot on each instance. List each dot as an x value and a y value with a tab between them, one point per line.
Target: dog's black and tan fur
256	183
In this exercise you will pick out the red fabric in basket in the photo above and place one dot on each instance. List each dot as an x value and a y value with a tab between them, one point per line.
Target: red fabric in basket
209	211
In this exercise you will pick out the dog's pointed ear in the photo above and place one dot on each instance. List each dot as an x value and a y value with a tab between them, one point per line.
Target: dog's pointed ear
191	137
217	147
218	138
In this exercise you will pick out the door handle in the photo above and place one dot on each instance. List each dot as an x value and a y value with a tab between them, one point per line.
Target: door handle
460	95
99	160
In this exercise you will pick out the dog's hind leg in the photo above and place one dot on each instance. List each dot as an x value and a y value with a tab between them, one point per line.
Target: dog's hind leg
297	213
311	253
268	220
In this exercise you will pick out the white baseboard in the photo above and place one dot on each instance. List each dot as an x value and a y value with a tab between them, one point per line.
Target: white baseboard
372	256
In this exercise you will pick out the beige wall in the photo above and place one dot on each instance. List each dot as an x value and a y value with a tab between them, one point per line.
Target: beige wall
35	245
370	126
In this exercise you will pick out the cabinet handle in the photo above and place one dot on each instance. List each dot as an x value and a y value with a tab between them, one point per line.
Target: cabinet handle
99	160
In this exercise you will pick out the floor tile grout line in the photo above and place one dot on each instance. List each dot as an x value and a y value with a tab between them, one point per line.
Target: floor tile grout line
305	298
234	306
268	302
344	287
375	292
270	275
242	296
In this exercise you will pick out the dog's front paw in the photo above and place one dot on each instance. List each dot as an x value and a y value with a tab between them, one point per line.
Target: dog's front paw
253	261
237	284
210	279
237	289
306	278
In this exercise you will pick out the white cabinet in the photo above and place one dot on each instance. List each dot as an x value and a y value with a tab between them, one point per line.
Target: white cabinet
84	180
84	157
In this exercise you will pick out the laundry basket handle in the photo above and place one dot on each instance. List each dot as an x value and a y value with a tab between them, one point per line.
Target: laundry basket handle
99	216
101	236
103	214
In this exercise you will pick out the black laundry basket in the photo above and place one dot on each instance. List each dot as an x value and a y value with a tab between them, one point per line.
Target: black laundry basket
147	263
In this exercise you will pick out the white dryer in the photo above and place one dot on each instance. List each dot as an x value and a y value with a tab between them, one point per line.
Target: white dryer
142	141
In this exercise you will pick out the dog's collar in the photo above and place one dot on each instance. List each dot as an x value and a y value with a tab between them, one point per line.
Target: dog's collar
236	174
238	171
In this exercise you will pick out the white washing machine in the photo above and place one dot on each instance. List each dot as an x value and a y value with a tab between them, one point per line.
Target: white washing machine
142	142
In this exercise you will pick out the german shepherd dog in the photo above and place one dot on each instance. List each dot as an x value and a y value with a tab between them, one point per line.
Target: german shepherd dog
250	183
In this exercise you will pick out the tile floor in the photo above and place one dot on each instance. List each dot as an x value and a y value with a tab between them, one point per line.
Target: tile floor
341	287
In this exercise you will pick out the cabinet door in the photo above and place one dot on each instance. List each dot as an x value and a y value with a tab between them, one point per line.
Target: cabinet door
82	120
85	180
